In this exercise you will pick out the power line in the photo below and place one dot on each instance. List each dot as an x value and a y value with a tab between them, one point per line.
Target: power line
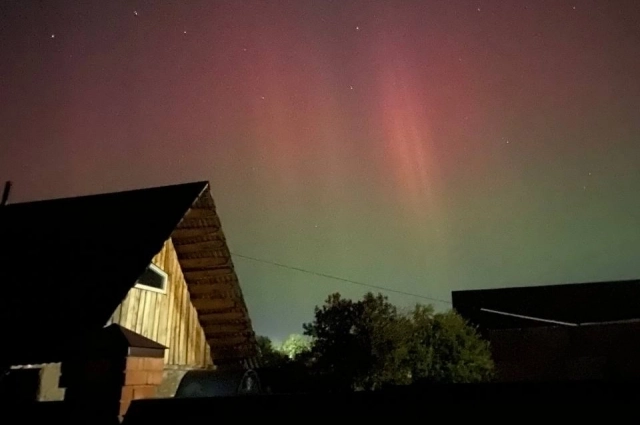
341	279
520	316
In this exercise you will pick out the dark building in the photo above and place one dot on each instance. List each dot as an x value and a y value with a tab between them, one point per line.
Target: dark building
573	332
145	276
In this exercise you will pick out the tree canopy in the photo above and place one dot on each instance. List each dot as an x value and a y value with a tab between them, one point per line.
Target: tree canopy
270	355
367	344
295	345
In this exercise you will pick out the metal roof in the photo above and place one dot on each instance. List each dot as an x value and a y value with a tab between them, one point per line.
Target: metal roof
578	304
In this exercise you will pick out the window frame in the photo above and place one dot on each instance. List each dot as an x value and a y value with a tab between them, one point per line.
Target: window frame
161	272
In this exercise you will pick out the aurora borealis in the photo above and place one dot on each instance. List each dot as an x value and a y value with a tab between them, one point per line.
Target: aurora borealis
424	146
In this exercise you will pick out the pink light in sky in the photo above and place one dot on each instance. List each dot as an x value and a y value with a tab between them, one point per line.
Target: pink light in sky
408	144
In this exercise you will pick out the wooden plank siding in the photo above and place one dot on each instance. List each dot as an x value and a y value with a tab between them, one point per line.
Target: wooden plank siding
170	318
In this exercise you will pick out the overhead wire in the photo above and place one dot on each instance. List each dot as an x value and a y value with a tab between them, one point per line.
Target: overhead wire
341	279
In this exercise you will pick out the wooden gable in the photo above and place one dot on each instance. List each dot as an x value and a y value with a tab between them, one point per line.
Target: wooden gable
167	317
213	285
68	263
202	315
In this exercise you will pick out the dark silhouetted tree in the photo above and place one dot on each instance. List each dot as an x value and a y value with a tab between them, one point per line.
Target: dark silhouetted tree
445	348
269	355
368	344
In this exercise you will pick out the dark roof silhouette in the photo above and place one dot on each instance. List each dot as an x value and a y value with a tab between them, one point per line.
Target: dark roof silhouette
65	264
579	303
132	339
120	341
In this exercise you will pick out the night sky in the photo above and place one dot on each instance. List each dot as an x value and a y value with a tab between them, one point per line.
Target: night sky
424	146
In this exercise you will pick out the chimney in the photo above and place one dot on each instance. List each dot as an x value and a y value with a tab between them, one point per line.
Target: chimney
5	193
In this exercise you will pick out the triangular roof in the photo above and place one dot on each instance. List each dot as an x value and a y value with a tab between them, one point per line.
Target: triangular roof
67	263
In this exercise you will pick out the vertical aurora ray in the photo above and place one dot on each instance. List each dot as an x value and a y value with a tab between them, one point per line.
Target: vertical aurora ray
410	155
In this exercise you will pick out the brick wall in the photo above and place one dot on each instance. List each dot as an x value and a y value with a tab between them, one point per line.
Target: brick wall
142	377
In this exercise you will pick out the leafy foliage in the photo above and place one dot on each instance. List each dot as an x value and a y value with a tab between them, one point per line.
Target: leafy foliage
447	349
269	355
367	344
295	345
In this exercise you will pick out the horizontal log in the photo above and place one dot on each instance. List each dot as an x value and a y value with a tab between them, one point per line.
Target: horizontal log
219	279
211	326
212	245
219	318
221	329
193	232
206	262
216	294
195	275
202	213
210	288
235	341
212	303
225	279
227	336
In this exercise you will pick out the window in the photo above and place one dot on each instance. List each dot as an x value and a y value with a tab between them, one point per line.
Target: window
153	279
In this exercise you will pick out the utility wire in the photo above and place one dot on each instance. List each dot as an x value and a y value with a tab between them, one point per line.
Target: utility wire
341	279
521	316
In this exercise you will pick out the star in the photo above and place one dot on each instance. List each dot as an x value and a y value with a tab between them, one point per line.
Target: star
53	36
184	32
135	13
350	87
262	97
357	28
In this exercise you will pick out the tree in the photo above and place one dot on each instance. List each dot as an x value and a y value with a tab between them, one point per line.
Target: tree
269	355
445	348
361	344
368	344
295	345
